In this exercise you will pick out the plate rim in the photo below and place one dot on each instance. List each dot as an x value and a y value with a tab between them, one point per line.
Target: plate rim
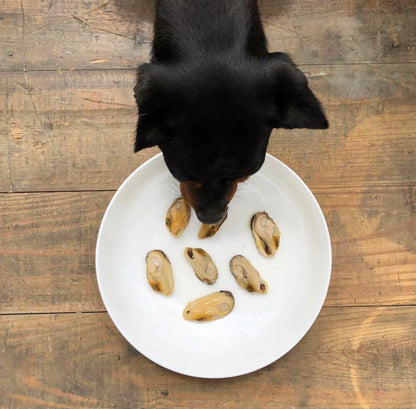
328	275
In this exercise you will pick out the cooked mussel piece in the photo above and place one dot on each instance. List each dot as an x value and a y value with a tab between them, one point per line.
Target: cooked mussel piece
204	268
159	272
246	275
209	230
266	234
177	217
210	307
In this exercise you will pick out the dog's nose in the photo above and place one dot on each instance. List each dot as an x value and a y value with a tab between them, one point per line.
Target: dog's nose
209	217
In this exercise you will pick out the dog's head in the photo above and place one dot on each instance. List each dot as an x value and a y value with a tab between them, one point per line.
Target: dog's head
213	121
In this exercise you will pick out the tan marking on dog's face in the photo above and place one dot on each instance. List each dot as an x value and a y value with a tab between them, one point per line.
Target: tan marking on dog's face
188	190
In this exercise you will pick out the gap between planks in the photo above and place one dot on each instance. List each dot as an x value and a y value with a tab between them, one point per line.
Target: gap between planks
141	62
314	188
12	314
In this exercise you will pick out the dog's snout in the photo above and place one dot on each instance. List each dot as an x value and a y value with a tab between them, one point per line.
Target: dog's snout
207	216
209	200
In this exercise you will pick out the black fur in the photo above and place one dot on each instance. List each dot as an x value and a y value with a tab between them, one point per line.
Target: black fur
212	95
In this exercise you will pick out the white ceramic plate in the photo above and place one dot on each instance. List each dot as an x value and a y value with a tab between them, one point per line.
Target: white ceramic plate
262	327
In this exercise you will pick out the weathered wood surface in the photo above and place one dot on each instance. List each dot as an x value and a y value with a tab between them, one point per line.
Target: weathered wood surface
373	243
355	358
47	248
65	35
4	160
75	130
48	241
67	122
342	31
75	34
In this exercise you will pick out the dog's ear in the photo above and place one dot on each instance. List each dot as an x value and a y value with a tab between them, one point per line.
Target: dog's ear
293	104
149	97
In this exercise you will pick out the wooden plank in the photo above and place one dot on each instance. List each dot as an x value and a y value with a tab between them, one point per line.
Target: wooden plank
76	34
372	137
7	129
77	128
4	161
374	244
48	241
118	33
317	32
352	358
47	251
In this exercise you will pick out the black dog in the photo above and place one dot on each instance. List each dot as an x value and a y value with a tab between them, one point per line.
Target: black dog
212	95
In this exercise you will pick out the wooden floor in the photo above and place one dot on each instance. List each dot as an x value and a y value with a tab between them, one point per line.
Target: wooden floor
67	121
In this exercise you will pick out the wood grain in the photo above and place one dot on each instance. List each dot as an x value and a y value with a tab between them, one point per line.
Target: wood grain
334	32
67	35
76	129
4	161
67	123
47	251
373	243
47	248
360	358
118	33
